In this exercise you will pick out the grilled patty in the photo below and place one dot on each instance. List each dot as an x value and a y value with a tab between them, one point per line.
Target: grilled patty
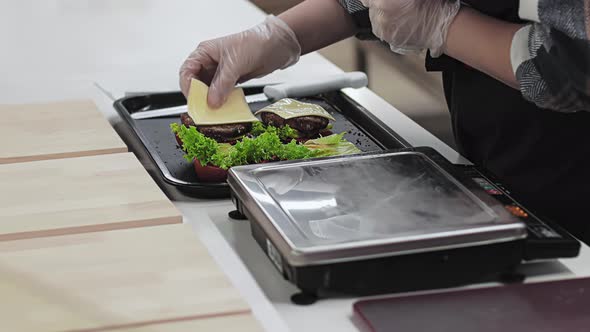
187	120
221	133
306	125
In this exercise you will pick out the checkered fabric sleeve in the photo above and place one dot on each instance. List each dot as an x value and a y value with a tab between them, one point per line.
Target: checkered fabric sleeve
360	14
551	56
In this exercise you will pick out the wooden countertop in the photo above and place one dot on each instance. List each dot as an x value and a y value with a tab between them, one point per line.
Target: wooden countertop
130	278
76	195
31	132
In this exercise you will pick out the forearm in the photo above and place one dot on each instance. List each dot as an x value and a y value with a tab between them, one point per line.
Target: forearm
319	23
483	43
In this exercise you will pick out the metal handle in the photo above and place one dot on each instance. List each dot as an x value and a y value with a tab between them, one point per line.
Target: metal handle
317	86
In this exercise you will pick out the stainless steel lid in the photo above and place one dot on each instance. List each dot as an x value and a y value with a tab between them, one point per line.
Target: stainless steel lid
365	206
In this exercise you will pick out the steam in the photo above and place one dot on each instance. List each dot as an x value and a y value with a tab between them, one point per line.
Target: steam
384	197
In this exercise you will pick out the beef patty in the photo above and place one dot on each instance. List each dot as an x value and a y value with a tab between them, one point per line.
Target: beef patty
187	120
307	125
224	133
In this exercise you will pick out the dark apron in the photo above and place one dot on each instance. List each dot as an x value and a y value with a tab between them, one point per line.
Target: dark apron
543	157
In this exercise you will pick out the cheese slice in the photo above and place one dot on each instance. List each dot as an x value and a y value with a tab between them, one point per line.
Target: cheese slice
288	108
235	110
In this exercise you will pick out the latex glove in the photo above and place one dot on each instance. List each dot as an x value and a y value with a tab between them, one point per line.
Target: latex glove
223	62
412	25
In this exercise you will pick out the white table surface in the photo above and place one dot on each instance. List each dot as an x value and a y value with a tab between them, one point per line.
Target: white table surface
100	49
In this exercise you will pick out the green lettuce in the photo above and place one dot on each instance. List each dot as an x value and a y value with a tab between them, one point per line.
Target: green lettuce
267	145
333	145
195	144
285	133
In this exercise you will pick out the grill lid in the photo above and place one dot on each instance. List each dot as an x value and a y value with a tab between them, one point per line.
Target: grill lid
369	205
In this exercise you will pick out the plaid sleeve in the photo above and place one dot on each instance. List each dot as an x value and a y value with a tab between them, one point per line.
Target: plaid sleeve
551	56
360	14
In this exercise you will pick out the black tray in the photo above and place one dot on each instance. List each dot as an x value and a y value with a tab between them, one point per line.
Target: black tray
362	128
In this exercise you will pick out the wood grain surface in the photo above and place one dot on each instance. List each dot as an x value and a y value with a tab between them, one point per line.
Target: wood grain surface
144	279
55	130
74	195
234	323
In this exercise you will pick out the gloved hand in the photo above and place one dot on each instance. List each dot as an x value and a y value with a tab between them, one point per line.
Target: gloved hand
225	61
412	25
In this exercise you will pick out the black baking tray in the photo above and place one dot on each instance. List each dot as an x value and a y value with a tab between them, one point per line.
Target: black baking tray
363	129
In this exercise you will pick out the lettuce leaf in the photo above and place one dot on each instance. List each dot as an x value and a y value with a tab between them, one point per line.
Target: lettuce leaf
195	144
258	128
333	145
285	133
265	147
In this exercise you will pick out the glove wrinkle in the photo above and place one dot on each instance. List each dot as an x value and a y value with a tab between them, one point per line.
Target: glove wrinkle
255	52
412	25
